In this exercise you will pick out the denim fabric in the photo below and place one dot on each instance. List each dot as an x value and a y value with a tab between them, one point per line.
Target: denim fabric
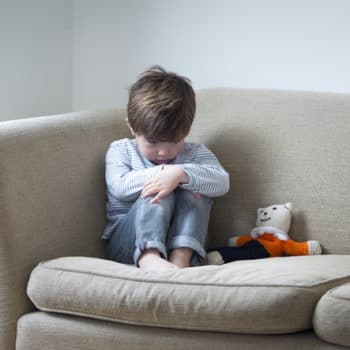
178	220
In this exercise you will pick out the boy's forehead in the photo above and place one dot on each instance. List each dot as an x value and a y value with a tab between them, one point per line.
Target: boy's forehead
163	140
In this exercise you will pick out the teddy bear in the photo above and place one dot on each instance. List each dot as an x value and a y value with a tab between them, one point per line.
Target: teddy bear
268	239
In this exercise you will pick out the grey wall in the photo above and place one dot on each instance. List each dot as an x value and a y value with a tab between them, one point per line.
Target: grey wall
63	55
36	53
277	44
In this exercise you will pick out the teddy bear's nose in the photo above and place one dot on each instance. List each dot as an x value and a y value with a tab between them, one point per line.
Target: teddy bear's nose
265	213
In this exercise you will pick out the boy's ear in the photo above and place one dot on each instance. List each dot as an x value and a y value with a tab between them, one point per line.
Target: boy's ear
129	126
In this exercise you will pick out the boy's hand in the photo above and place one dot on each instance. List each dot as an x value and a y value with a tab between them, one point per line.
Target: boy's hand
164	183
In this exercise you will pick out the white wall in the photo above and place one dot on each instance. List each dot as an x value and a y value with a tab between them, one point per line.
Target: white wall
277	44
63	55
36	38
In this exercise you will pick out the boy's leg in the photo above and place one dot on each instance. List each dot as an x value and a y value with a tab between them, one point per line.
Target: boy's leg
181	257
151	260
143	233
188	232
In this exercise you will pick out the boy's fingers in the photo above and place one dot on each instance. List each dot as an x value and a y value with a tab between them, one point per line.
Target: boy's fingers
156	199
146	193
149	191
148	183
159	196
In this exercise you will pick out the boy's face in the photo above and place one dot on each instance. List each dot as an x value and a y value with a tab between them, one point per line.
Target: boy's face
158	152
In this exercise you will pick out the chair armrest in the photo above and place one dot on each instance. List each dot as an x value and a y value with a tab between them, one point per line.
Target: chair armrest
52	197
332	316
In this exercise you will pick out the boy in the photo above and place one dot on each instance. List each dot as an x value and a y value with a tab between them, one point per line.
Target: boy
159	187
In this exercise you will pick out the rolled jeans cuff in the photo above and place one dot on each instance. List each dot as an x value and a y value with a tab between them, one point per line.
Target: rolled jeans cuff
149	245
187	242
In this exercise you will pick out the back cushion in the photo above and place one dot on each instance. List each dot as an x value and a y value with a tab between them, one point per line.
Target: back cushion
280	147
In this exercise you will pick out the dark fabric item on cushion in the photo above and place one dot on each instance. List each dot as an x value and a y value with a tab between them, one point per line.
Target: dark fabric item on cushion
250	250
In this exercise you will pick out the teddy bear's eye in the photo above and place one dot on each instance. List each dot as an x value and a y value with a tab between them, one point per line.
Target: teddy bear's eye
274	208
261	211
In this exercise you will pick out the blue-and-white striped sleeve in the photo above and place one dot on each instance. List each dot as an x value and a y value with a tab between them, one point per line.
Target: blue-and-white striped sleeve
206	175
122	182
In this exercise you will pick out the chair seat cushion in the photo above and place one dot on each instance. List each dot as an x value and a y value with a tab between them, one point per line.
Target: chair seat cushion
332	316
266	296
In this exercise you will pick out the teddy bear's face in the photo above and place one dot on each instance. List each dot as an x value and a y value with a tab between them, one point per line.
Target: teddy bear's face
277	216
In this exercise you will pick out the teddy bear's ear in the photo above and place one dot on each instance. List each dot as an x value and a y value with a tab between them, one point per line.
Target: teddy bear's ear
289	206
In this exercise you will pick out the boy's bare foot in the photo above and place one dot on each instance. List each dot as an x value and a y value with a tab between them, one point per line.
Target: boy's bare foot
151	260
181	257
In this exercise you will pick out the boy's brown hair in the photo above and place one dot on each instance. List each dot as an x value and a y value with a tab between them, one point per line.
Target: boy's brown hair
161	105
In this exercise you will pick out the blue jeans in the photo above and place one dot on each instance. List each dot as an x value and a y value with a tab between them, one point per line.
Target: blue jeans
176	221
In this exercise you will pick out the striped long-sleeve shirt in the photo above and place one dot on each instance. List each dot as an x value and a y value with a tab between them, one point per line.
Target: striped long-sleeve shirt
127	170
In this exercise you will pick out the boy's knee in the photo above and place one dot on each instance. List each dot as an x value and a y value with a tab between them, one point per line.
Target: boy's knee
166	203
193	199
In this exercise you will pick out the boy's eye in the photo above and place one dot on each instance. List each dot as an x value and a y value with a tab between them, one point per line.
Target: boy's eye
152	142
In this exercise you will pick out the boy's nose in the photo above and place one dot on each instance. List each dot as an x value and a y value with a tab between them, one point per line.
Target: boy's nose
163	152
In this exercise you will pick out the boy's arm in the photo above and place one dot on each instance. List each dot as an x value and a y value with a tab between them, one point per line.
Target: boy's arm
205	173
122	182
170	177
